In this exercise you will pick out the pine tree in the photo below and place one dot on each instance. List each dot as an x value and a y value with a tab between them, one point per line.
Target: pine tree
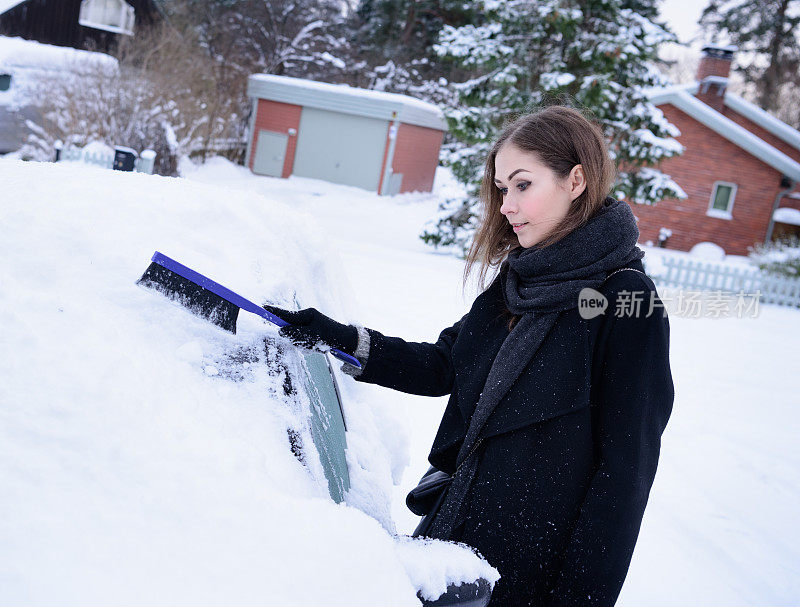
401	30
593	54
392	45
768	32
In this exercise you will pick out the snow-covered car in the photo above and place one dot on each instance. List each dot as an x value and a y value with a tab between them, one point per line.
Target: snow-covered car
24	66
149	457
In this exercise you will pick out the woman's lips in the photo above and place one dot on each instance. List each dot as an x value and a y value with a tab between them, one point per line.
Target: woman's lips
517	228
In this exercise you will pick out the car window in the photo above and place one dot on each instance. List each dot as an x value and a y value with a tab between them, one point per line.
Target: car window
327	421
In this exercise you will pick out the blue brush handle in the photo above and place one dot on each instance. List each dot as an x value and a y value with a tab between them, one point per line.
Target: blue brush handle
234	298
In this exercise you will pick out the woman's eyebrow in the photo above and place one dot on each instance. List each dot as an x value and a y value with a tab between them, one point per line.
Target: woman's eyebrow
512	174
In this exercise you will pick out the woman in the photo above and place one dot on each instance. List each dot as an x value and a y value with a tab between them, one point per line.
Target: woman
556	411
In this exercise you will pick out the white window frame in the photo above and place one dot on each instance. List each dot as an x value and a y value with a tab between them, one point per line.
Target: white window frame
126	13
711	211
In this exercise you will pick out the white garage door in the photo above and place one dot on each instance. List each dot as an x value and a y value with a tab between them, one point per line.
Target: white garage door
340	148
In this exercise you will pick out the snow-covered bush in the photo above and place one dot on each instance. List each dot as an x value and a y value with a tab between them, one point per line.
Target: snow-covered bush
780	257
160	95
708	250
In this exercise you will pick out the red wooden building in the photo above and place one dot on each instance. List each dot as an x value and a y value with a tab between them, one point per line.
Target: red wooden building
384	142
740	167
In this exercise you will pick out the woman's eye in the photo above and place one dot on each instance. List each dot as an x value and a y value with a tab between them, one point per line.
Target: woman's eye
521	186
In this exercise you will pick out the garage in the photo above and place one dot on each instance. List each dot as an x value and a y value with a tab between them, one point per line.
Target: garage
382	142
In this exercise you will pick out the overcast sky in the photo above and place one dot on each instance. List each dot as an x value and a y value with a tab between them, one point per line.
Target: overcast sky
682	15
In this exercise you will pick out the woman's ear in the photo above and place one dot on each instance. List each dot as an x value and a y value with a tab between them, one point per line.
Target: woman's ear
576	181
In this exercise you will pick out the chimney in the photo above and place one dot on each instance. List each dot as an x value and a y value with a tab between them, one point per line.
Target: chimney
712	74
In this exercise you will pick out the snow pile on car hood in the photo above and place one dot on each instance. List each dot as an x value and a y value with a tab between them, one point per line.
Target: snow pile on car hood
140	464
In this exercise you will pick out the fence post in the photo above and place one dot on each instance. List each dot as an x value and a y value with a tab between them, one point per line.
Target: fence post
147	161
668	261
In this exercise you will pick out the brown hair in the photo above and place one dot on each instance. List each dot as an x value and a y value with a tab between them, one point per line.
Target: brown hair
561	137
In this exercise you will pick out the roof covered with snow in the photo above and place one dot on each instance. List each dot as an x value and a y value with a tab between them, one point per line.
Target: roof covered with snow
764	119
7	5
346	99
683	97
787	215
730	48
18	52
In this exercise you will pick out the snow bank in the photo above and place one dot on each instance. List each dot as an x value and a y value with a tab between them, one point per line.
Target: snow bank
140	462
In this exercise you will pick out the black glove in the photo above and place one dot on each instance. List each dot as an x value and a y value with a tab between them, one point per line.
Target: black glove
311	329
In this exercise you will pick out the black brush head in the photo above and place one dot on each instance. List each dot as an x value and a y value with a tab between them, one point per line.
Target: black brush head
196	299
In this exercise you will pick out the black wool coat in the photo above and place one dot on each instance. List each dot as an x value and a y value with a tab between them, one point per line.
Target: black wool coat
569	454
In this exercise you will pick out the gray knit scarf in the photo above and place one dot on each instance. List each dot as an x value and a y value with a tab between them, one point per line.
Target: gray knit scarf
539	284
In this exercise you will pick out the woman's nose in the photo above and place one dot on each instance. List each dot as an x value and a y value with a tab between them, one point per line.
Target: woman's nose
508	206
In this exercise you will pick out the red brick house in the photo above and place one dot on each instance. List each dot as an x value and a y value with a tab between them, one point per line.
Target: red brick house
740	167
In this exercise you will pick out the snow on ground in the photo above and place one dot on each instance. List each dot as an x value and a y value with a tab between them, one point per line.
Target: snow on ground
128	463
134	470
721	524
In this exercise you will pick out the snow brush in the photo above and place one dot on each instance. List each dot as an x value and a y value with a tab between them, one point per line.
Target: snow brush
206	298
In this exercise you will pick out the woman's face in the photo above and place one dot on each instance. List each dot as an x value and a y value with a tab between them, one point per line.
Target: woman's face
535	199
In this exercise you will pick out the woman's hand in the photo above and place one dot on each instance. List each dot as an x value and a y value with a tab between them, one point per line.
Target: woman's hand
311	329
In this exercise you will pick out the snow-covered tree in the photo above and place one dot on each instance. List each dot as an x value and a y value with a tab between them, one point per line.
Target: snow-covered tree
401	30
597	55
768	38
413	78
391	46
292	37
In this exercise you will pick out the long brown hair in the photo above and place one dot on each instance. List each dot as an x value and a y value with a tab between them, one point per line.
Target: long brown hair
561	137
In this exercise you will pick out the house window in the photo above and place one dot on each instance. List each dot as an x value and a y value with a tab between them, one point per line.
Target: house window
109	15
721	203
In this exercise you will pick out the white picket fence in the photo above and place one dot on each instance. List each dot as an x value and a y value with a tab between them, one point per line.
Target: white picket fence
708	276
142	164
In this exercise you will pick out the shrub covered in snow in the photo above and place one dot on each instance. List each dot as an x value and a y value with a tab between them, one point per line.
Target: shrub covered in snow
708	250
780	257
159	94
